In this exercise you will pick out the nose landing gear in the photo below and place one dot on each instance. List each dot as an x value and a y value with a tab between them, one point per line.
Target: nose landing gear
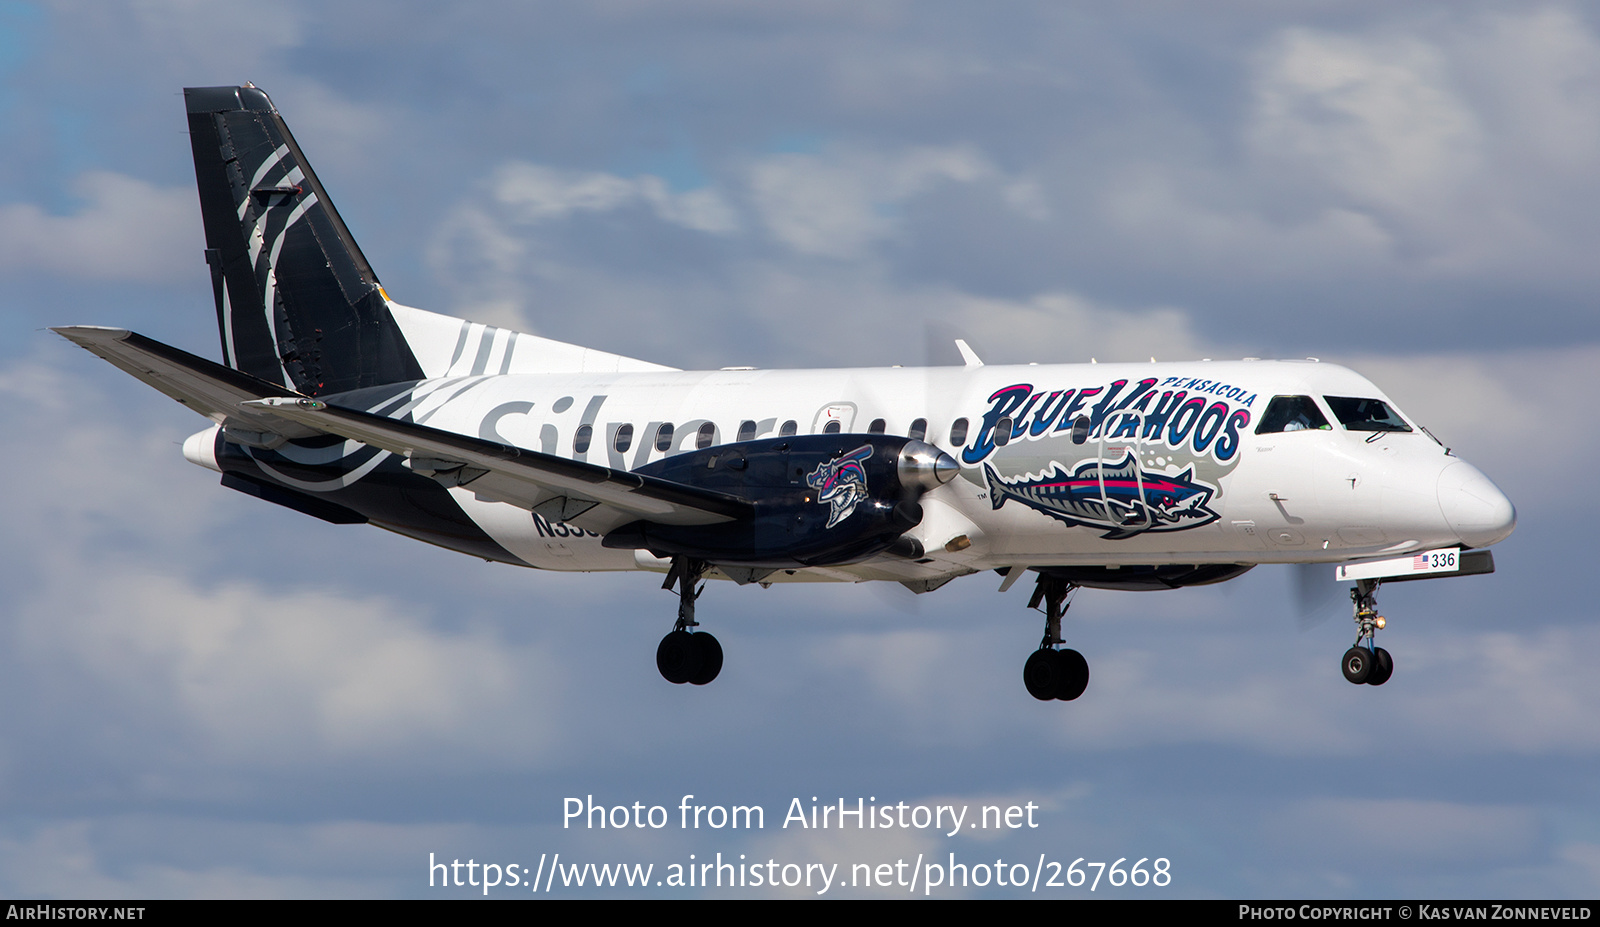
686	656
1366	662
1051	673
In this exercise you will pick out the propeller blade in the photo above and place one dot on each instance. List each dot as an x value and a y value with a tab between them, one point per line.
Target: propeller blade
1318	593
898	598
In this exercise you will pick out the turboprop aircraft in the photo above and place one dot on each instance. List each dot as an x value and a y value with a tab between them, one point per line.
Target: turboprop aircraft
338	402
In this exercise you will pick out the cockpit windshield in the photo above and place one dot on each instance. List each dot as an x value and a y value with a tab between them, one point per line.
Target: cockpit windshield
1292	413
1365	414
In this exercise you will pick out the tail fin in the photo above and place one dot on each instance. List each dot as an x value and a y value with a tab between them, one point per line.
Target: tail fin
297	302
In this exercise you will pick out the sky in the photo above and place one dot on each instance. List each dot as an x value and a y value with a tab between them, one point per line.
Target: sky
214	697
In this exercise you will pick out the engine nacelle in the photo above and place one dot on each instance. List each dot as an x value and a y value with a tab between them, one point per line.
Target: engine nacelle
820	500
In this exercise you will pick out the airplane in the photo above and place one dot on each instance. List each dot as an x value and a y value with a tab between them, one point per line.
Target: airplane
338	402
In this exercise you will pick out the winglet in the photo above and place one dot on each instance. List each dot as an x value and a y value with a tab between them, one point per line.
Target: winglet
967	354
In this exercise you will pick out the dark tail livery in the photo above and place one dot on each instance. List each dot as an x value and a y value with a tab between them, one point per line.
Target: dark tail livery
297	302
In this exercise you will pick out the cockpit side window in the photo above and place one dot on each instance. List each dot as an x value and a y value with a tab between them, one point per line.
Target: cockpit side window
1292	413
1365	414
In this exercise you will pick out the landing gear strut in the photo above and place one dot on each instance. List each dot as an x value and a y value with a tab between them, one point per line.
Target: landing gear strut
1366	662
685	656
1051	673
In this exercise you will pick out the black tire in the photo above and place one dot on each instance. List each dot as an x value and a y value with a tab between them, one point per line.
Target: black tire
710	651
1074	674
1382	668
1358	663
678	658
1042	675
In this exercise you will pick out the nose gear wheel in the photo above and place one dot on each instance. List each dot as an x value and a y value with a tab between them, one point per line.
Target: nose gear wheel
1366	662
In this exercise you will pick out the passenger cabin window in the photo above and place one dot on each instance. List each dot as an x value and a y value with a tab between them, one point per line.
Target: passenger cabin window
664	437
832	428
1002	432
918	430
581	438
1365	414
788	429
705	436
958	432
878	427
747	431
624	438
1292	413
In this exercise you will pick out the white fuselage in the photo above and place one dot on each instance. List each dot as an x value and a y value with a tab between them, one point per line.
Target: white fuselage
1233	496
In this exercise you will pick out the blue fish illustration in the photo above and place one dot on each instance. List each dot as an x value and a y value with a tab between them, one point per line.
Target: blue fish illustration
1134	500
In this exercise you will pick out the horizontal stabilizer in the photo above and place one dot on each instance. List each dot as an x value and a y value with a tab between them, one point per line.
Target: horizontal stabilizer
585	495
205	386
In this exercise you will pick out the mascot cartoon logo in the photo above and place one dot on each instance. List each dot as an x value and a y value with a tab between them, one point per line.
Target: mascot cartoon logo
841	483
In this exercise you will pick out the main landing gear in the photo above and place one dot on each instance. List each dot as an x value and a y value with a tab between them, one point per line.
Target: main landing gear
1366	662
684	655
1051	673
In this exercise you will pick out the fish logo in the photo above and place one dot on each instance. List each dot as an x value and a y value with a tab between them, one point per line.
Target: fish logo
841	483
1120	498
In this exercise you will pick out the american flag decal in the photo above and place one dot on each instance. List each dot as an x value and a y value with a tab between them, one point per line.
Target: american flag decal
1419	562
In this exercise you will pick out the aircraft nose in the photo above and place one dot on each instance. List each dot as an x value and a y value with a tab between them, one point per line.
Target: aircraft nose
1473	506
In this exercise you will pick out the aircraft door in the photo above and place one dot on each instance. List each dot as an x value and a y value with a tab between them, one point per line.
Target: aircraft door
834	417
1121	474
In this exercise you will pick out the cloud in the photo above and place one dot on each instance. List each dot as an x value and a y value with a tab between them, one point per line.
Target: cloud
1459	143
1538	73
1416	833
1536	693
114	559
1375	118
1156	209
126	230
532	193
523	231
510	253
1060	185
1582	861
836	205
188	36
170	856
270	677
501	247
1068	328
111	476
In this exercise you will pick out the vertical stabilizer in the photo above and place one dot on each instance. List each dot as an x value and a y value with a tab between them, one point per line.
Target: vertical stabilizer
297	302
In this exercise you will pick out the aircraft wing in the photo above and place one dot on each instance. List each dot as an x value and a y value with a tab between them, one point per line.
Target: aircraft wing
581	494
578	493
203	385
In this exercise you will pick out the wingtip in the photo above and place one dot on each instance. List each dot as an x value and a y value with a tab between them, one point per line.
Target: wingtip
88	334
